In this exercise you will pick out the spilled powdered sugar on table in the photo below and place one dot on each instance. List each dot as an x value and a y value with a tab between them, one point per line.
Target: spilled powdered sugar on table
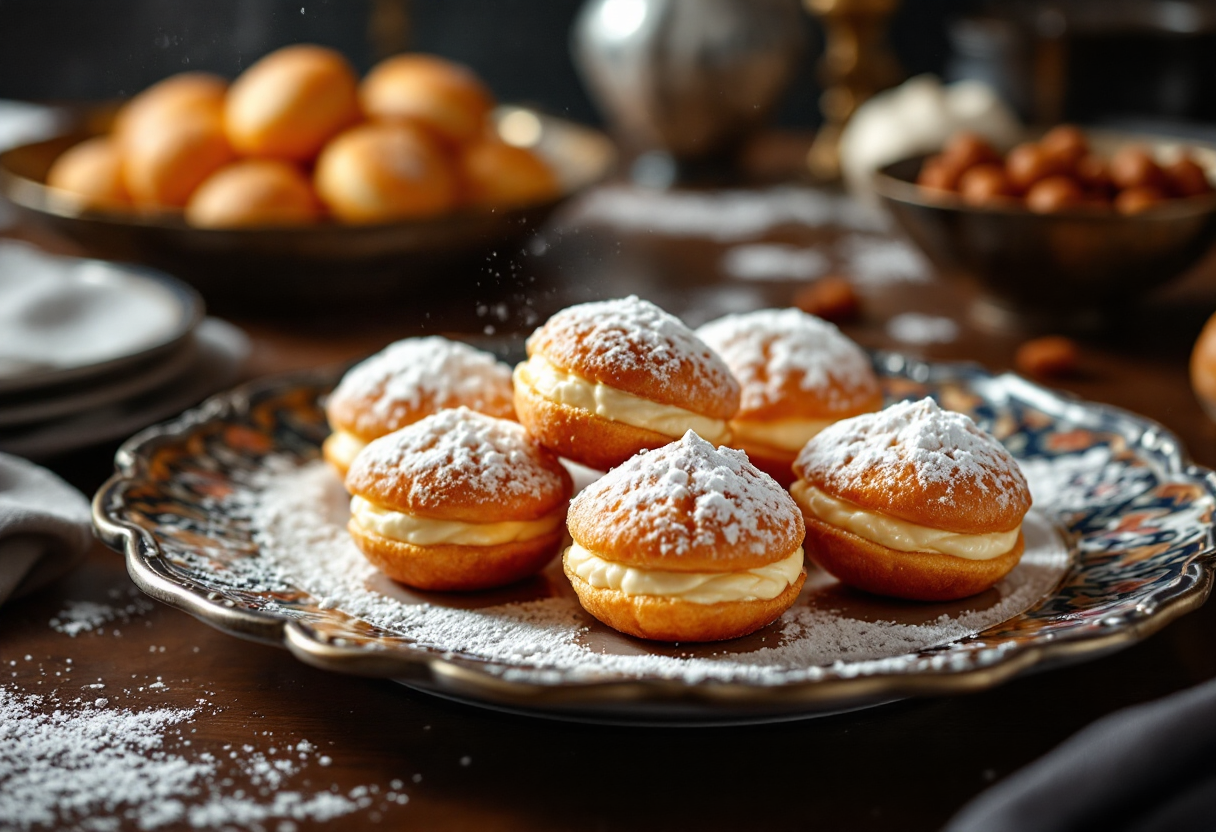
298	516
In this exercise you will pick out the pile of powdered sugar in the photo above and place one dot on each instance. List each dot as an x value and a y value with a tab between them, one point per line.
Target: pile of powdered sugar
685	499
429	373
298	515
604	339
773	349
942	447
64	763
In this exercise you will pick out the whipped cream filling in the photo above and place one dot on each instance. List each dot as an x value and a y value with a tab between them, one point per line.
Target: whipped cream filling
560	387
900	534
344	447
759	584
782	434
424	531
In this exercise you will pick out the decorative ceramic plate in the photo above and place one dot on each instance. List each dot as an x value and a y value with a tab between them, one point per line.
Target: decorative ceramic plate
228	513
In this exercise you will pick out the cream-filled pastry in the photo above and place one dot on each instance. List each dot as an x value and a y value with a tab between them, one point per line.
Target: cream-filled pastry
608	379
407	381
685	543
912	502
458	501
798	375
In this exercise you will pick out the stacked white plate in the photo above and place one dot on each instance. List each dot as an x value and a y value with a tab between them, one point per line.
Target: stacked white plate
93	351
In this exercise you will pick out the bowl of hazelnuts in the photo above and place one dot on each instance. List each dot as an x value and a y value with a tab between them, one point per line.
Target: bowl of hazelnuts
1065	228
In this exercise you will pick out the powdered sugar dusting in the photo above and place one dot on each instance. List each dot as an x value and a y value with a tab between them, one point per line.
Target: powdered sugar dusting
460	451
298	516
630	334
942	447
429	372
649	501
772	349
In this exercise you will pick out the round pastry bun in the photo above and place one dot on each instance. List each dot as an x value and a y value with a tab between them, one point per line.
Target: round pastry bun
458	465
916	576
634	346
92	173
164	164
917	462
580	435
413	378
493	173
464	466
185	95
443	96
456	568
377	173
687	507
673	619
791	365
291	102
254	193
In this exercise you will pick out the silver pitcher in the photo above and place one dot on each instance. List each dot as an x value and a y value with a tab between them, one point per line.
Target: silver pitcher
690	78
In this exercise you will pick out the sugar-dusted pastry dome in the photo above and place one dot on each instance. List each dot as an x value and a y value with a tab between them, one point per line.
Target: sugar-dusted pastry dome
917	462
461	465
634	346
687	507
791	364
414	378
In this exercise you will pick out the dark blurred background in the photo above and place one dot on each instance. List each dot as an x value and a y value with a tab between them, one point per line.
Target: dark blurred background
1094	62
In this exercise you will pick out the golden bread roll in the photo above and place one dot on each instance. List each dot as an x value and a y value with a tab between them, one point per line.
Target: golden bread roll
92	173
441	95
912	502
254	193
685	543
164	164
384	172
407	381
493	173
291	102
458	501
798	375
605	380
185	95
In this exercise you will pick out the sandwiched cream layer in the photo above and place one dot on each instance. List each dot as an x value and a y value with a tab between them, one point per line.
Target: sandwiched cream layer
900	534
760	584
423	531
344	447
782	434
560	387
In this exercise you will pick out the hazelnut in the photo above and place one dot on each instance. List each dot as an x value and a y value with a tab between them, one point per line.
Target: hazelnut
1055	193
1138	200
966	150
1027	164
831	298
937	174
1133	167
1065	145
984	184
1187	178
1051	356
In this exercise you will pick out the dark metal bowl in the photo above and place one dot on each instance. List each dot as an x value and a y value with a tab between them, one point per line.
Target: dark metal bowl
317	263
1067	266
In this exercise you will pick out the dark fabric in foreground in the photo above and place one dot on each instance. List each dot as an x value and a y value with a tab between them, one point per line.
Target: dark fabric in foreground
1150	768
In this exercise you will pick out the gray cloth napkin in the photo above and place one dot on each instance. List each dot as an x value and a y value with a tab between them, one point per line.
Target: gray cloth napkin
45	526
1150	768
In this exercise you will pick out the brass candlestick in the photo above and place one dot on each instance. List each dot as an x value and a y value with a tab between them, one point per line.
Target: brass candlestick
856	64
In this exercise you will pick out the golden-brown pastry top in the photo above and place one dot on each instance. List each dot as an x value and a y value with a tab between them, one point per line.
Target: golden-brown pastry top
461	465
687	507
919	463
444	96
793	365
413	378
634	346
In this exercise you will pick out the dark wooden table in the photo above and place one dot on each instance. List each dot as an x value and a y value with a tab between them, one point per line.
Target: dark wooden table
904	766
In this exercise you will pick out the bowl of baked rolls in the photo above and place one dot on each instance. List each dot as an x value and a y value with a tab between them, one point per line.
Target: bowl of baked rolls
301	180
1061	230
